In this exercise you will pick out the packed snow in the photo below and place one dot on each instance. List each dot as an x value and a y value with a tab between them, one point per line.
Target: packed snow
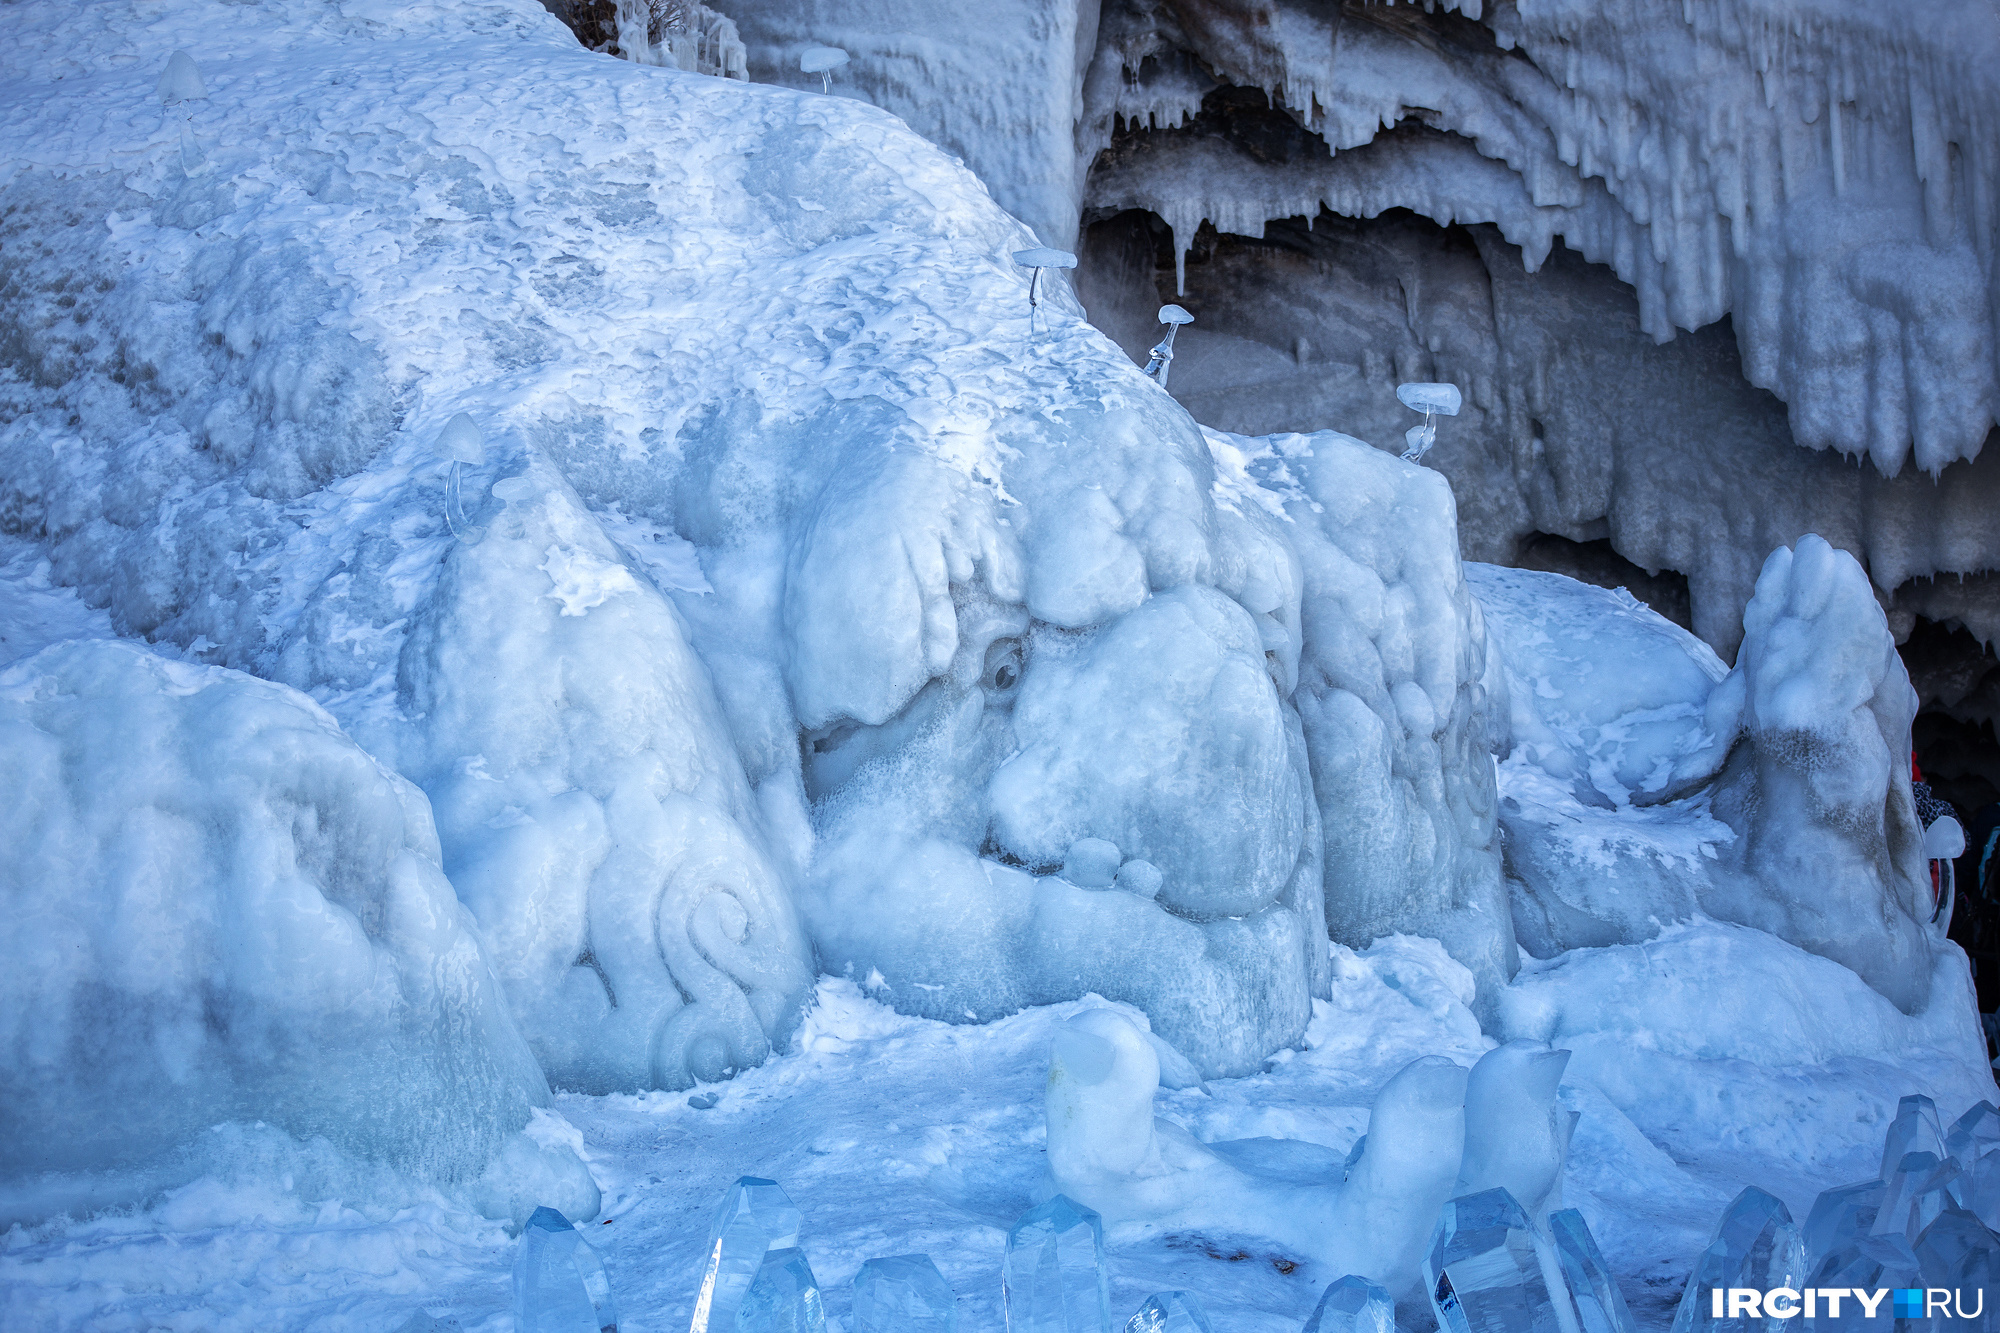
528	570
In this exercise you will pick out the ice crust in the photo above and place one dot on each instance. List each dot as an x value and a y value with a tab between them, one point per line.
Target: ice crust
252	927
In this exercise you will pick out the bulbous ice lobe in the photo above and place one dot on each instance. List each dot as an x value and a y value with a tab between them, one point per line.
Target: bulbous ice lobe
1164	735
217	908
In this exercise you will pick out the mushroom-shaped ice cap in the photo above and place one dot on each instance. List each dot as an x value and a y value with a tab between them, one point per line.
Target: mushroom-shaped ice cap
820	59
1944	840
461	440
181	80
1043	256
1442	399
1173	314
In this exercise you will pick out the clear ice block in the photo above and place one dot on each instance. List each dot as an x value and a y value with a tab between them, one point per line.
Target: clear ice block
1482	1271
1917	1192
1754	1244
1978	1187
1053	1279
1871	1263
1915	1129
1840	1214
1958	1251
1600	1306
1353	1305
559	1282
905	1294
1170	1312
756	1218
1974	1134
783	1297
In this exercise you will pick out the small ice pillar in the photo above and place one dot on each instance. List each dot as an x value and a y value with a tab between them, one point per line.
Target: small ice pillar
181	83
783	1297
1600	1306
463	443
1353	1305
1052	1279
1161	359
559	1282
822	60
1039	258
756	1221
905	1294
1431	400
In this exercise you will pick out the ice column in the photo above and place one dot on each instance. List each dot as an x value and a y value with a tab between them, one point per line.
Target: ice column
1600	1306
783	1297
756	1221
1755	1245
905	1294
1353	1305
1052	1279
559	1282
1482	1271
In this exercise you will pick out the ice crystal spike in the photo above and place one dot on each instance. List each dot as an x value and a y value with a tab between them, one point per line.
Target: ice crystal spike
1917	1192
1957	1250
1352	1305
1869	1263
783	1297
905	1294
559	1282
1838	1215
1170	1312
756	1219
1974	1134
1754	1244
1600	1306
1052	1279
1482	1272
1915	1129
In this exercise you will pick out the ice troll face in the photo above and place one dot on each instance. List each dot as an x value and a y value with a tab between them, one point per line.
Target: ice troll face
1040	694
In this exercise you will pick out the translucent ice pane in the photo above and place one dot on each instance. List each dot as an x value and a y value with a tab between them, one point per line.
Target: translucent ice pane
559	1282
783	1297
1353	1305
1755	1244
1170	1312
756	1217
905	1294
1482	1272
1052	1279
1600	1306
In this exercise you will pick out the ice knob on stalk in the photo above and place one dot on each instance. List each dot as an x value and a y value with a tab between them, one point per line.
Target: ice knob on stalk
181	81
462	441
1431	399
822	60
1162	358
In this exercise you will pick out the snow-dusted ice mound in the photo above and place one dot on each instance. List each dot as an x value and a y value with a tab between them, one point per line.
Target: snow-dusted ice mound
247	928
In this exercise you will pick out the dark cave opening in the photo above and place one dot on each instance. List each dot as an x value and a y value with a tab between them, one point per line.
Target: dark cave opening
1596	562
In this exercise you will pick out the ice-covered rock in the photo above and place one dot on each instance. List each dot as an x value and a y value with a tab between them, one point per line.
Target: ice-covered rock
218	910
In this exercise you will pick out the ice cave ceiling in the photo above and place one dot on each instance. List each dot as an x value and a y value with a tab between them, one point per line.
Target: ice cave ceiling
1712	275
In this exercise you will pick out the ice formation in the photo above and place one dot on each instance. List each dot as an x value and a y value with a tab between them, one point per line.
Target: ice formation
252	948
1053	1278
905	1294
1434	1133
559	1282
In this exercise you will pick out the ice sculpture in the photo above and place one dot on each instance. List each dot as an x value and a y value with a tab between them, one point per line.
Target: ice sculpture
1170	1312
1052	1278
1864	1266
1599	1305
1161	360
1755	1244
1782	768
1430	399
559	1282
1917	1191
1516	1133
822	60
1483	1272
783	1297
755	1221
1838	1215
1352	1305
220	912
1106	1149
905	1294
1916	1128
